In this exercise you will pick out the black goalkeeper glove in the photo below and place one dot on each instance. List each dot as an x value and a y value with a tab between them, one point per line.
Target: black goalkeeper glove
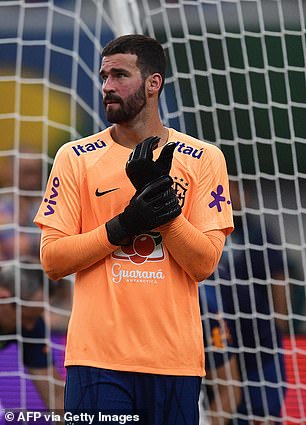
140	167
155	205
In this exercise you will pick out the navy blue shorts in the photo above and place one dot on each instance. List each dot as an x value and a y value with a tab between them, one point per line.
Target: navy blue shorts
131	398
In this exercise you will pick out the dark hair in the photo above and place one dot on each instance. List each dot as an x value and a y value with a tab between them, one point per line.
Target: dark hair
151	57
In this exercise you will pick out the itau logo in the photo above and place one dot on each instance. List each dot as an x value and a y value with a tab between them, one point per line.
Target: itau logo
145	247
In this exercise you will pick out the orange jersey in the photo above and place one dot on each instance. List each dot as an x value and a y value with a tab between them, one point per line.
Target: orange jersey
135	310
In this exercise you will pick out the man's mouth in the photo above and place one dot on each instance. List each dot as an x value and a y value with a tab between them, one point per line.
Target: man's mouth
111	101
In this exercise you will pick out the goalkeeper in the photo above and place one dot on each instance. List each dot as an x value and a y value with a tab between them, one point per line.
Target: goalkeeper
140	213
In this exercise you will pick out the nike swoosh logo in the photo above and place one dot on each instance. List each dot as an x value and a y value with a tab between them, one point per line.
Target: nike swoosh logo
98	194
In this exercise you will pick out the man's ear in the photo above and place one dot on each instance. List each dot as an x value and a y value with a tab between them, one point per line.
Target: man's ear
154	83
5	293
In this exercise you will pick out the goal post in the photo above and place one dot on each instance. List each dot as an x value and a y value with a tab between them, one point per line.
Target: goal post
236	79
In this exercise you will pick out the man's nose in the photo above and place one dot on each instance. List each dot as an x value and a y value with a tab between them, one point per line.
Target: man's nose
108	85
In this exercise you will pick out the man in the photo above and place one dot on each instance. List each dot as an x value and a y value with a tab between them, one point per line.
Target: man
221	388
260	365
248	304
252	298
30	318
135	337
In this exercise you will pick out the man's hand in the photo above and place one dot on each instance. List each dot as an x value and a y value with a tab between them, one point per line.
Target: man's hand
155	205
140	167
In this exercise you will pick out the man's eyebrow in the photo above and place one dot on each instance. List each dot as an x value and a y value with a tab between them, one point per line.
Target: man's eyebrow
114	71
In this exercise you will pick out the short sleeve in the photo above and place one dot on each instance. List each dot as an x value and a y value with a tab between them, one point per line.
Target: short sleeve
212	206
60	207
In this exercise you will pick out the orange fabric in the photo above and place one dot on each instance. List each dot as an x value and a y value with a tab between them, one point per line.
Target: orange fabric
62	254
189	247
135	308
197	253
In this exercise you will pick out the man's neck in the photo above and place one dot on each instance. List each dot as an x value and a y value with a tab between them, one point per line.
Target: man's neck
130	135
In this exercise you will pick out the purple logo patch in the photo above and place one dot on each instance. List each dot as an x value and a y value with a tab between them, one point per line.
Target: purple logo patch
218	198
54	193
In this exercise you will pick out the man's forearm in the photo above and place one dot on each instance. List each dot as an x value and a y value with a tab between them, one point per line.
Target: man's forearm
62	255
196	252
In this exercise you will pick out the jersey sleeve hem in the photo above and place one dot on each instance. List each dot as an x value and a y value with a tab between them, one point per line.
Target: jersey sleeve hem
228	227
41	223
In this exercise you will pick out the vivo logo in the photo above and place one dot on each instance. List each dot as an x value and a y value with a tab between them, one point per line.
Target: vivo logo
51	202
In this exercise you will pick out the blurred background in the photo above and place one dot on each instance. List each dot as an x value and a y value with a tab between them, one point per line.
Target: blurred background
236	78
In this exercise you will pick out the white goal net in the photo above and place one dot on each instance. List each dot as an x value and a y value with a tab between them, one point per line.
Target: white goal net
236	79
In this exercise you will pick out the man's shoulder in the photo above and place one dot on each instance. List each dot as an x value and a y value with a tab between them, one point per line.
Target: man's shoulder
192	146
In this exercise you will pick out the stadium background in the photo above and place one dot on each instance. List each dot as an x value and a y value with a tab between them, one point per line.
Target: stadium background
254	111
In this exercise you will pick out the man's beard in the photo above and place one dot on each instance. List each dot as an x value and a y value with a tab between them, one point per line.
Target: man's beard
128	109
